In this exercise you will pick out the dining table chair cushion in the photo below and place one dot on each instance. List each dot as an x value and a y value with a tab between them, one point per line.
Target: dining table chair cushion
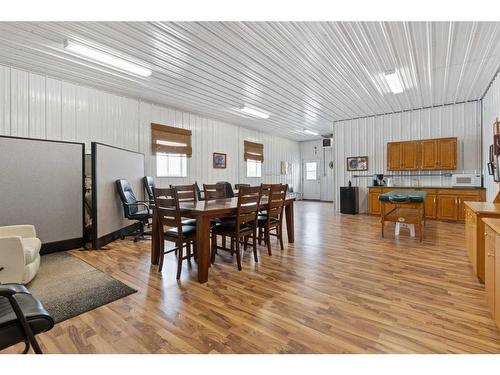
230	227
187	231
191	222
262	219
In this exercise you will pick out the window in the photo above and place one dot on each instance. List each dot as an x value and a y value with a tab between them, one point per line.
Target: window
170	165
254	156
311	171
172	147
254	168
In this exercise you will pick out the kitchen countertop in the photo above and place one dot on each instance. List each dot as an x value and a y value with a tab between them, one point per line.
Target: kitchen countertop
484	207
431	187
492	223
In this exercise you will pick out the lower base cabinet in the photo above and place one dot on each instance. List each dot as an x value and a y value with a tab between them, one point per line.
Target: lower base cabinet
492	267
440	204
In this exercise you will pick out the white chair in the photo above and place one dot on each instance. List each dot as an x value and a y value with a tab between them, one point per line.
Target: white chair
19	254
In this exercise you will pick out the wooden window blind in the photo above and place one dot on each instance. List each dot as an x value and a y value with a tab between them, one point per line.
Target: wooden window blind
254	151
170	140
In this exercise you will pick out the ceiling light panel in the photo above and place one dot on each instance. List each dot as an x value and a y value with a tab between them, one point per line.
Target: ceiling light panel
106	58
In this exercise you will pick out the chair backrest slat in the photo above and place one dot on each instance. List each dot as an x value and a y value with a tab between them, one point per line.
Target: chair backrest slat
276	200
215	191
167	208
248	205
185	193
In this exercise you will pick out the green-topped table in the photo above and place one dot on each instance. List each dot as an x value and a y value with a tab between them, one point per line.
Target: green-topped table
407	207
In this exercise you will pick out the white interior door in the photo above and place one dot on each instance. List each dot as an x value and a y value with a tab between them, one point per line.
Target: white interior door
312	183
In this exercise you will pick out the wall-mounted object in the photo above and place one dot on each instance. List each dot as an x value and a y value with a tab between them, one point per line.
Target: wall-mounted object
327	142
496	137
219	160
286	167
357	163
491	168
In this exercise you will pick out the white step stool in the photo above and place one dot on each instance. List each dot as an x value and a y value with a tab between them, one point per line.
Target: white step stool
398	227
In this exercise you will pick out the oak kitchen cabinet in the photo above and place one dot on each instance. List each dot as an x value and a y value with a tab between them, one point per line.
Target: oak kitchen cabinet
492	267
394	152
402	156
427	154
440	203
475	212
373	202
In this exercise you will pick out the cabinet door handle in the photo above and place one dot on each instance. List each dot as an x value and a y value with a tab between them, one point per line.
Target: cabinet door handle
491	255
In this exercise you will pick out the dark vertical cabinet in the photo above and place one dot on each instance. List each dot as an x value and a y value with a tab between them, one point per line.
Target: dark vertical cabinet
349	202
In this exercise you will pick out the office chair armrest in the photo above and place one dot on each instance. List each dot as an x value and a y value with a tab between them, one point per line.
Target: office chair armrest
7	290
138	203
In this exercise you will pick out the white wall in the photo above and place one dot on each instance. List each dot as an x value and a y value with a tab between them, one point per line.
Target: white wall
369	137
33	105
313	150
491	110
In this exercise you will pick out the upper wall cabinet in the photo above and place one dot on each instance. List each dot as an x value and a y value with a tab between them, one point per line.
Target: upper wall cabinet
403	156
427	154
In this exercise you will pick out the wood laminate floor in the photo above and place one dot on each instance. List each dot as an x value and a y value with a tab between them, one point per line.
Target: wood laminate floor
340	288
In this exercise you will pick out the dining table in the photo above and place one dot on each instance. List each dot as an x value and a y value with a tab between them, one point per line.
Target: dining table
204	212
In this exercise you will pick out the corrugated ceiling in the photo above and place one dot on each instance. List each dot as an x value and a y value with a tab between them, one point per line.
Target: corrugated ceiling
306	75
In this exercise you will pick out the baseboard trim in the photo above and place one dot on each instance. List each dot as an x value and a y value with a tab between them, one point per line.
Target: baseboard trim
52	247
110	237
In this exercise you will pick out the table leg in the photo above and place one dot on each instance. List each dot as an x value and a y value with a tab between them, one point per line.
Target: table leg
289	222
203	243
155	242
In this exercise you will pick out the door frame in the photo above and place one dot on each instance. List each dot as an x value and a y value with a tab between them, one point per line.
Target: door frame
318	177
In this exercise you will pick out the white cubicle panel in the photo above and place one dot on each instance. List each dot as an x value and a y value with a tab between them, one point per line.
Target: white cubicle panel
108	165
41	183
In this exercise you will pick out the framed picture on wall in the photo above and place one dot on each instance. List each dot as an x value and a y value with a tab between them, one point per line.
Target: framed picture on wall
357	163
286	167
219	160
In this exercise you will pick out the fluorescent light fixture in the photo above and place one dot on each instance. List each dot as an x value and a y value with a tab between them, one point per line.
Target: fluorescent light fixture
106	58
254	112
394	82
310	132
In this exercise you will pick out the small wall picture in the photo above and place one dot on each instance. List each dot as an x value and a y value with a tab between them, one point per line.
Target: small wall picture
357	163
286	167
220	160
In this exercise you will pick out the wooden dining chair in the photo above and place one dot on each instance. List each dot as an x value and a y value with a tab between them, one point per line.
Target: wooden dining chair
169	215
272	220
266	188
243	228
186	193
215	191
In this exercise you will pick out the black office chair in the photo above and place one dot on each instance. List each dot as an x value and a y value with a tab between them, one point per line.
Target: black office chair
149	185
237	186
22	317
228	189
199	193
131	207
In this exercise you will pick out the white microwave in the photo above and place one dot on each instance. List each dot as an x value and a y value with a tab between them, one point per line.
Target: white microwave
466	180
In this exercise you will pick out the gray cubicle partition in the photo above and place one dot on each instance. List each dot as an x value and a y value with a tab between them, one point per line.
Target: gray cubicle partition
109	164
41	183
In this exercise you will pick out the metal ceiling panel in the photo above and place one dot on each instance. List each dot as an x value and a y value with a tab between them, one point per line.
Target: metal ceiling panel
304	74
